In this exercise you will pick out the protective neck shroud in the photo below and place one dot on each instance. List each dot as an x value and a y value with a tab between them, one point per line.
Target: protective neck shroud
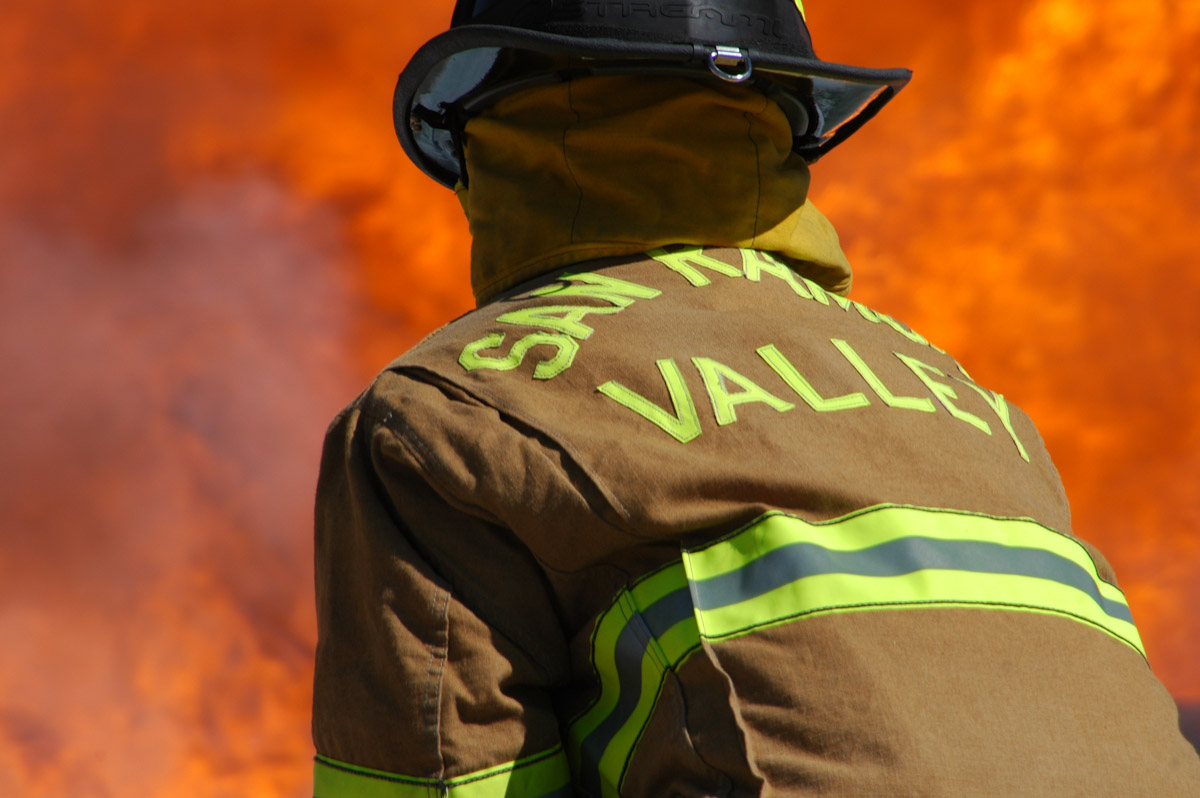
617	165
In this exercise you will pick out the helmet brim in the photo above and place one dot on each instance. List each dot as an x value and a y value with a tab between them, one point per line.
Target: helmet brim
453	65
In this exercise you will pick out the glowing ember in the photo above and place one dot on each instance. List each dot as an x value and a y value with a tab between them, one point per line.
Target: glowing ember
211	240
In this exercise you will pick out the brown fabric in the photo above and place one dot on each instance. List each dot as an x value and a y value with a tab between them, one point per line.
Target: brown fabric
617	165
409	679
953	702
672	766
614	478
472	524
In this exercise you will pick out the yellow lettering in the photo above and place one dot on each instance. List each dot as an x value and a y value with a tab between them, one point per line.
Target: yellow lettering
570	322
620	293
823	296
818	293
903	329
686	261
943	392
866	312
1000	408
804	389
841	301
684	425
754	263
889	399
717	377
471	359
846	304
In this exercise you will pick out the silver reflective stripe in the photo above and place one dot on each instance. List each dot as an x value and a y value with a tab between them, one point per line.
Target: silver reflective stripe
781	568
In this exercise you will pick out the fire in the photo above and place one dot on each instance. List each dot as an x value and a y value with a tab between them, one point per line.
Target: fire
1039	223
211	241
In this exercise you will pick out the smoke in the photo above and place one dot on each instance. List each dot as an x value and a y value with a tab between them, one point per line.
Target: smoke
177	314
168	404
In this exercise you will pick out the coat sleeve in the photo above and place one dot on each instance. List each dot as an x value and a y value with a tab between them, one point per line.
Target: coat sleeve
437	646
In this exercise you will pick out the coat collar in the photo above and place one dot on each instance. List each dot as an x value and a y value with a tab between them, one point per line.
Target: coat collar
617	165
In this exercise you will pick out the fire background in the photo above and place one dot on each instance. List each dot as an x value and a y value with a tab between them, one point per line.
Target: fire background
210	241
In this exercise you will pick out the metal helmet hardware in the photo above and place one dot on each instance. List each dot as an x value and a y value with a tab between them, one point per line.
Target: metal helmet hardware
764	43
722	56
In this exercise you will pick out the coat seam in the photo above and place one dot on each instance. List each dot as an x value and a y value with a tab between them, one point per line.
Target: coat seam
435	676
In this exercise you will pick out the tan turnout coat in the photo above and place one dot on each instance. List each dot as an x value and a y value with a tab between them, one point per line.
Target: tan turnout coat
685	524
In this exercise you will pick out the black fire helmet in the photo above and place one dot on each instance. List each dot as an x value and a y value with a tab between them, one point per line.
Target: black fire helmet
497	47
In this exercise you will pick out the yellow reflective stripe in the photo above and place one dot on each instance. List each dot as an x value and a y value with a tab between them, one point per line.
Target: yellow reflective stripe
649	629
680	640
783	567
543	775
876	525
620	745
674	629
780	568
604	663
631	674
818	595
655	586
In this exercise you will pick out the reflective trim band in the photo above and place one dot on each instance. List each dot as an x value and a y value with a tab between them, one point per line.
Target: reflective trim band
650	629
544	775
782	567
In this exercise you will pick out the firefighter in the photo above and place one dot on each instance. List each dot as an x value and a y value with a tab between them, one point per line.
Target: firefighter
669	514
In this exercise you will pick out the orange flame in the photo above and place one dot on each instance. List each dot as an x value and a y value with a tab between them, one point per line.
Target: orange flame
211	240
1030	205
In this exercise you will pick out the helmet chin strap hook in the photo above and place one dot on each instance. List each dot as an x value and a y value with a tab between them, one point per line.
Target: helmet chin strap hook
722	58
